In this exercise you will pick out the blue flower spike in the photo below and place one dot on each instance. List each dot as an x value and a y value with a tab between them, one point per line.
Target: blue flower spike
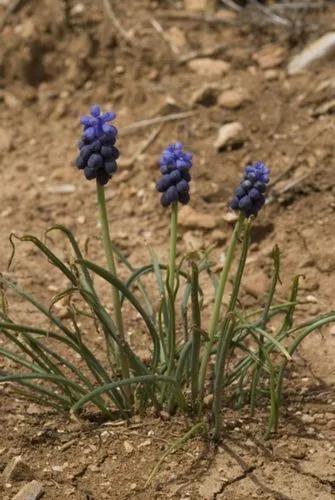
174	166
249	197
97	153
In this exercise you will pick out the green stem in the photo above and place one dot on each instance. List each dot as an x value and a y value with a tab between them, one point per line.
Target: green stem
171	285
173	245
217	306
274	408
176	396
107	243
196	340
265	318
226	336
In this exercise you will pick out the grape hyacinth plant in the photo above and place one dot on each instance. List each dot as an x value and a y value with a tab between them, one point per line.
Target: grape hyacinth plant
57	363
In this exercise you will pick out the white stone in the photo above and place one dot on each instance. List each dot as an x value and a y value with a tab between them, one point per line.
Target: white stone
31	491
317	50
229	134
205	66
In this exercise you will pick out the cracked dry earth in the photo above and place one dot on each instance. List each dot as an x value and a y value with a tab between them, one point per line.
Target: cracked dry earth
54	62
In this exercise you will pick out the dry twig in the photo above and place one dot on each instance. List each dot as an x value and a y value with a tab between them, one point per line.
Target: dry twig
128	162
154	121
232	5
116	23
207	52
159	28
275	18
176	15
288	187
290	169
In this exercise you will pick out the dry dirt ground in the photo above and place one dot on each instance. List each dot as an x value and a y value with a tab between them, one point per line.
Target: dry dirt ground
56	59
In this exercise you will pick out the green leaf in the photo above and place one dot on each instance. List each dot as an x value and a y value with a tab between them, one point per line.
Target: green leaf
23	379
92	363
20	361
305	330
143	379
272	340
48	253
107	276
87	279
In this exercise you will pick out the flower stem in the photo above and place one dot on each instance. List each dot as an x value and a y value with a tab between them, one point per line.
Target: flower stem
173	245
196	338
112	268
226	334
217	306
170	286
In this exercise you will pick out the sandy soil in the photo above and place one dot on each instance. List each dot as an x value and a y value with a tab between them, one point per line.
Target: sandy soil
56	59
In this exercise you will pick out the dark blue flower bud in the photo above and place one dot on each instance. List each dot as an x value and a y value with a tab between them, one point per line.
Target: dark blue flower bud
246	185
235	203
182	164
110	152
102	177
175	176
164	169
90	173
172	194
86	151
163	183
80	162
95	146
170	167
174	165
187	176
251	177
110	167
254	194
239	192
183	186
184	197
164	200
260	186
95	161
245	203
107	140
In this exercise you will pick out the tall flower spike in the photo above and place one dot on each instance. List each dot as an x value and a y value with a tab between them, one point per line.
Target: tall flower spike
174	166
97	153
250	195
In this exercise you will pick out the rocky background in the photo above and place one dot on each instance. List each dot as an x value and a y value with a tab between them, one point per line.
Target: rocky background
235	84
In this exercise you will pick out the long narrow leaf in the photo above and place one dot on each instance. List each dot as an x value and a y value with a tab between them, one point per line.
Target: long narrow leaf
273	341
143	379
107	276
76	249
92	363
48	253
